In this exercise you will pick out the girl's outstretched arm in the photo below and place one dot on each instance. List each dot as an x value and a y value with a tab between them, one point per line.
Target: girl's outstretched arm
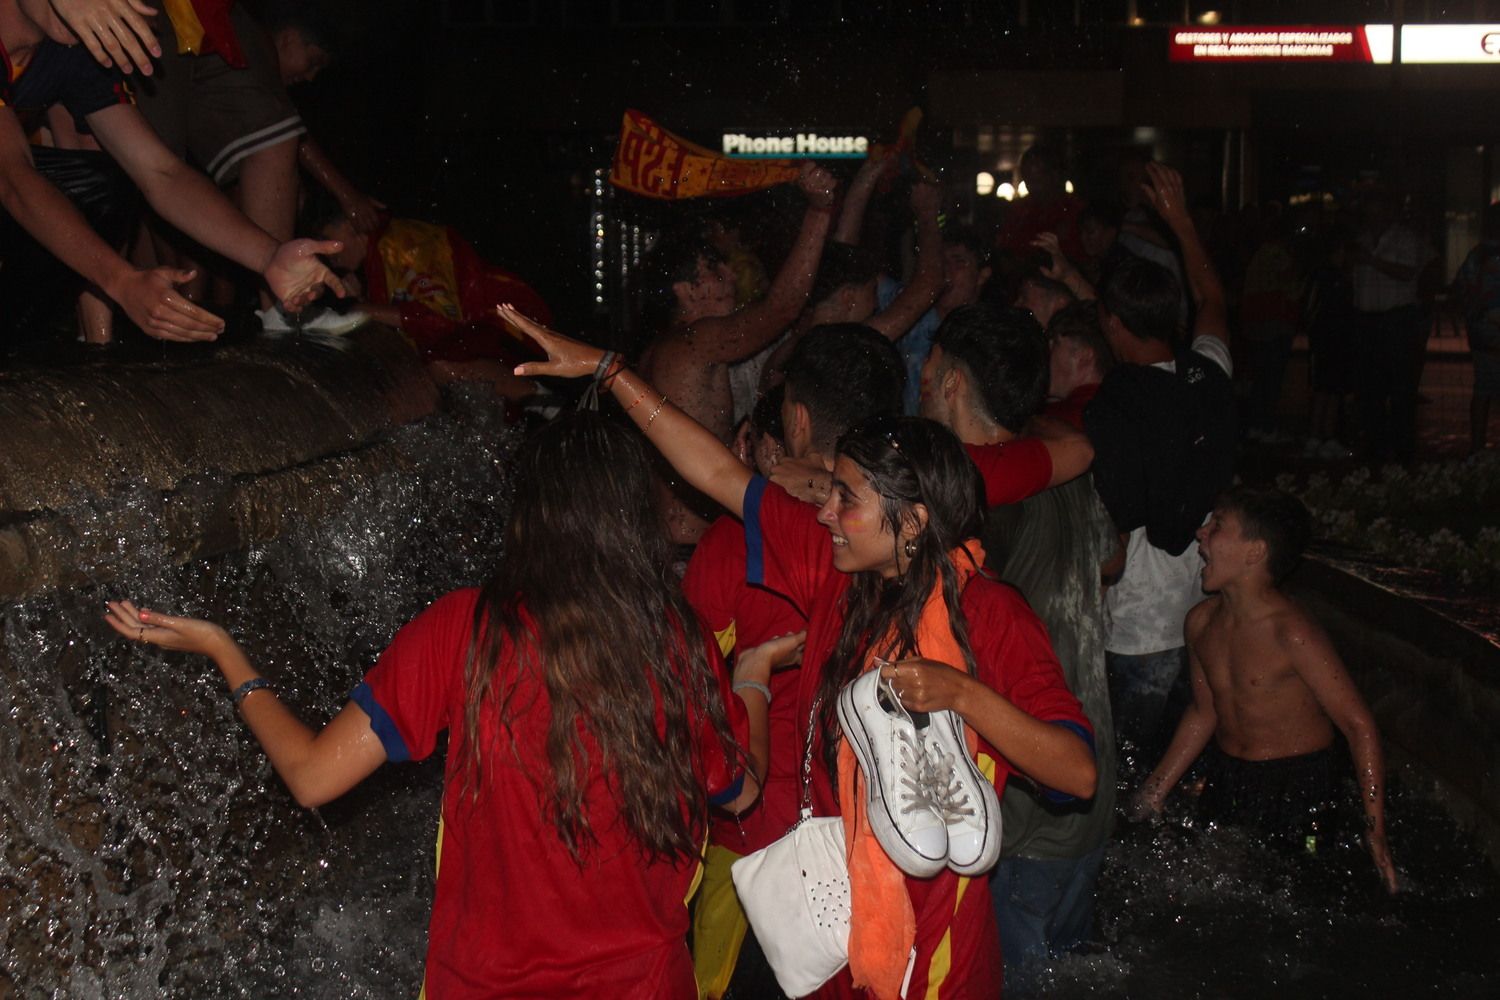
690	448
317	767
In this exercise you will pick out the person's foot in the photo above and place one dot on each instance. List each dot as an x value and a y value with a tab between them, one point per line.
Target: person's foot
889	749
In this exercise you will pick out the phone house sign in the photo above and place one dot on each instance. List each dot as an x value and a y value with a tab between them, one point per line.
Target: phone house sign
804	144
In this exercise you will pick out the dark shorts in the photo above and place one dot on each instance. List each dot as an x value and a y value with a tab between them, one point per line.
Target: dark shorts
1287	800
204	108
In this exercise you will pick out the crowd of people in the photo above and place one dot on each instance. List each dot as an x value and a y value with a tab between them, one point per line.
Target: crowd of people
990	474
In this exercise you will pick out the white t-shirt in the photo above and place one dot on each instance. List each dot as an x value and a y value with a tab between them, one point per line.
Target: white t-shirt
1150	602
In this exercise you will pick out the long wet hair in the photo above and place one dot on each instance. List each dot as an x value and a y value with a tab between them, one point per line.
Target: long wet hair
908	461
586	604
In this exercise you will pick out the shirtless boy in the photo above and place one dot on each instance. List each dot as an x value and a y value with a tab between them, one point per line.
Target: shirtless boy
689	356
1268	687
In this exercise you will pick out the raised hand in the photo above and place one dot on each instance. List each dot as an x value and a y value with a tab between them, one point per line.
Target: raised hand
151	300
1059	267
1164	192
188	635
804	478
926	199
115	32
876	166
363	212
566	357
817	184
297	276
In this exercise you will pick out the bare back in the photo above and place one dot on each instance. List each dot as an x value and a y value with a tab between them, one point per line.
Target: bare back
1265	709
674	364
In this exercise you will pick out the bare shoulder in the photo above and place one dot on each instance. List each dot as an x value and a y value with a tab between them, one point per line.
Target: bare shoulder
1294	625
1199	616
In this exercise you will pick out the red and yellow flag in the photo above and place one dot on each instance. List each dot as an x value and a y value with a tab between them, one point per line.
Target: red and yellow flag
653	162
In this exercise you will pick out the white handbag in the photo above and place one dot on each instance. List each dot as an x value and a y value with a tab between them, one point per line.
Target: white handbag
795	894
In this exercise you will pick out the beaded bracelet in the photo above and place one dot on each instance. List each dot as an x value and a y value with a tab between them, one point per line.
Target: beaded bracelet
738	686
253	684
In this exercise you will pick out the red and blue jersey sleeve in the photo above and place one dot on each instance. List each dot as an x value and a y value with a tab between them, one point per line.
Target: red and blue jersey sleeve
411	693
1012	470
786	549
1015	657
722	773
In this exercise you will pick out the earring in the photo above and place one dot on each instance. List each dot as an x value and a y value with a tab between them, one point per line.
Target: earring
910	548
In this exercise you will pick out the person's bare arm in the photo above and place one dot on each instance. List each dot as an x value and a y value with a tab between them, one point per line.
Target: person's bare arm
1069	448
1197	727
742	334
149	298
1318	664
755	665
926	283
1049	754
1060	268
1165	194
699	457
116	32
852	215
317	767
188	200
363	212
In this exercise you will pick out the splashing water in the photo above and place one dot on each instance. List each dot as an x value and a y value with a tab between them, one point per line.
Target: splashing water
146	847
1186	912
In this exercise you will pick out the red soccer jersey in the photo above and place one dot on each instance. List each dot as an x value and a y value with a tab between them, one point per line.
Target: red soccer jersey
513	914
1012	470
743	616
447	294
1029	218
1069	409
957	942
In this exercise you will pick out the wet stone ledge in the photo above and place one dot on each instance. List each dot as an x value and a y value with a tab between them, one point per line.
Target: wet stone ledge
231	445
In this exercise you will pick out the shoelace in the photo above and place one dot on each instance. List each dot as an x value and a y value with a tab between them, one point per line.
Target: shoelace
916	789
911	759
939	775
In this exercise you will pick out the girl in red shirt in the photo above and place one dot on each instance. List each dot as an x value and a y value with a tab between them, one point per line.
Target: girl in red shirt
591	728
889	553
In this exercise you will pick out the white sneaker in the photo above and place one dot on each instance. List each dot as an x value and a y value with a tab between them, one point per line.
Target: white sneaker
328	322
964	797
273	320
891	754
333	322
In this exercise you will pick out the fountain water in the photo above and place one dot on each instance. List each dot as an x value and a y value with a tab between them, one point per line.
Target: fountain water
146	848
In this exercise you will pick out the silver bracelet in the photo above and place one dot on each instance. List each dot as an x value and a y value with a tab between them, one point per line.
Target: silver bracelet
253	684
739	686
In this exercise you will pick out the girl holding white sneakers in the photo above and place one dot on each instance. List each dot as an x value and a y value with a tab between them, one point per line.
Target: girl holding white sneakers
888	573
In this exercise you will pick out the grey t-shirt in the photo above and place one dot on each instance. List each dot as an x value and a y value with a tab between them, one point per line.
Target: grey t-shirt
1050	548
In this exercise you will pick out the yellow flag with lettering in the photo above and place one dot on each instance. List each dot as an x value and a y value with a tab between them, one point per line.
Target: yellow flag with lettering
653	162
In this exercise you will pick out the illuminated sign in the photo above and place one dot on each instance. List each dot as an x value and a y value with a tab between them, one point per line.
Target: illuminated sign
808	145
1356	43
1450	43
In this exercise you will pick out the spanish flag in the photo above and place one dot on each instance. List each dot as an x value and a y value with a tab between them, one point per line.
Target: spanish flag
653	162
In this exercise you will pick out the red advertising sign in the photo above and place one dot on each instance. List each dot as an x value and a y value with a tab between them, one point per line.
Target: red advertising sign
1234	43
